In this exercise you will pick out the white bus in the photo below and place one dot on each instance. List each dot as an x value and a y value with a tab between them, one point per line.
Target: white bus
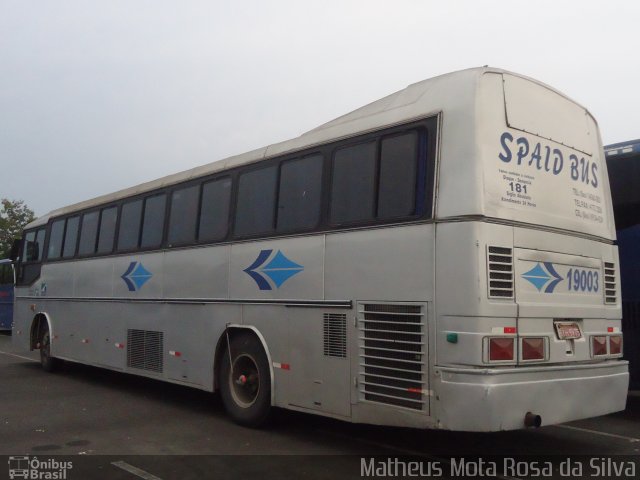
441	258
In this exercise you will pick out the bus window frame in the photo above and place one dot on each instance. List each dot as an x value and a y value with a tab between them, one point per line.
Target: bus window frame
426	127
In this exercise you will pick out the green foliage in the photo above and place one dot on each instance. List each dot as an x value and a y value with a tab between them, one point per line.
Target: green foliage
14	215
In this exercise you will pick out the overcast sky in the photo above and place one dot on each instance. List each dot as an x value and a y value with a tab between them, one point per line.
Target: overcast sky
96	96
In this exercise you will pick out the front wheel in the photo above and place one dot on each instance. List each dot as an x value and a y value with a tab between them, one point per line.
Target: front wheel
46	360
245	381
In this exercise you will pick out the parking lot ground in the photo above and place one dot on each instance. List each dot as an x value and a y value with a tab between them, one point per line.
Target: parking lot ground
87	411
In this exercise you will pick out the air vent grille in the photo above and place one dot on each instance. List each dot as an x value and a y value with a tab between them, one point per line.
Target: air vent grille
335	335
392	354
500	272
144	350
609	283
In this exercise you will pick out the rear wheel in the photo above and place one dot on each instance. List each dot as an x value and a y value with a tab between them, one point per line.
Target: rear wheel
46	360
245	381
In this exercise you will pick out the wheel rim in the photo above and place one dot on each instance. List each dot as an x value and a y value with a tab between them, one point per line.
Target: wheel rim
244	380
44	348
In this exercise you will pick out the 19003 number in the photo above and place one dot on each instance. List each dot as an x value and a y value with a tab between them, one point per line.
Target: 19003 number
582	280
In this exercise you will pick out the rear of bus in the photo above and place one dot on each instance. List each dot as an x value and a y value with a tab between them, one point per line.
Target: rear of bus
528	328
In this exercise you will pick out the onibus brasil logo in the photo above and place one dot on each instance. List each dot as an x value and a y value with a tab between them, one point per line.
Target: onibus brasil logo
270	271
543	276
33	468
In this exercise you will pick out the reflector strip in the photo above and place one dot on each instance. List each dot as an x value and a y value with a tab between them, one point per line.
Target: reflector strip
173	353
85	340
613	329
282	366
118	345
419	390
505	330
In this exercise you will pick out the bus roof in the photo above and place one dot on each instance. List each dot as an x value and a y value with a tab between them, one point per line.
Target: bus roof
409	104
622	149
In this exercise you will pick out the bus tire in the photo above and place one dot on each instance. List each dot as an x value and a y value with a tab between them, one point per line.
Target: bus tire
245	381
48	363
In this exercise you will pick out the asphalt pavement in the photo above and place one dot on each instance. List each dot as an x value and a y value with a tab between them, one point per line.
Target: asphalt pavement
158	427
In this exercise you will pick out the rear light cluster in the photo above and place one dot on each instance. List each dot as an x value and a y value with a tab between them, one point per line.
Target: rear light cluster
533	348
606	345
502	349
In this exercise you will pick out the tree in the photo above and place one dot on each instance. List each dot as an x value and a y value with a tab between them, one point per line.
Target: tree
13	217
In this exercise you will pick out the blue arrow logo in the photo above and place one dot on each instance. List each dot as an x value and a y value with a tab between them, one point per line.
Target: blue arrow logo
543	275
279	269
136	276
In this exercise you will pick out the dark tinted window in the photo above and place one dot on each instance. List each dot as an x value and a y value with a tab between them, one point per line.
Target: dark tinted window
353	183
40	242
55	239
70	237
398	165
184	215
153	223
130	225
6	274
299	194
88	233
214	210
256	201
107	231
29	252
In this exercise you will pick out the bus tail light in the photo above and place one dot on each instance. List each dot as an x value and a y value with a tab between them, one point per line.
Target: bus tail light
599	345
533	348
501	349
615	344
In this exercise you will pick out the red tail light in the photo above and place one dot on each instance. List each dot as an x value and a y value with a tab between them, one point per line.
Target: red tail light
615	344
599	345
533	348
501	349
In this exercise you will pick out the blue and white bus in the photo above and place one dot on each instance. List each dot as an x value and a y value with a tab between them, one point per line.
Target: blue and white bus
623	162
7	281
441	258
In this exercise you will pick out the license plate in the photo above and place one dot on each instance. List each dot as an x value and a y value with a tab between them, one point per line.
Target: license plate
567	331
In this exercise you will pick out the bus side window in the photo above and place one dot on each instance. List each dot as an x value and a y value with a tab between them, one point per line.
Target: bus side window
183	217
71	237
129	225
300	194
88	233
398	172
256	201
29	252
40	242
214	210
107	230
153	221
55	240
353	183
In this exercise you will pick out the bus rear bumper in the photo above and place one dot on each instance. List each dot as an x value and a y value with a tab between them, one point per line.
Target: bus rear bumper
484	400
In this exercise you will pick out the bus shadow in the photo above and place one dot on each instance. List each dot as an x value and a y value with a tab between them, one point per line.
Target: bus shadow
357	438
143	387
